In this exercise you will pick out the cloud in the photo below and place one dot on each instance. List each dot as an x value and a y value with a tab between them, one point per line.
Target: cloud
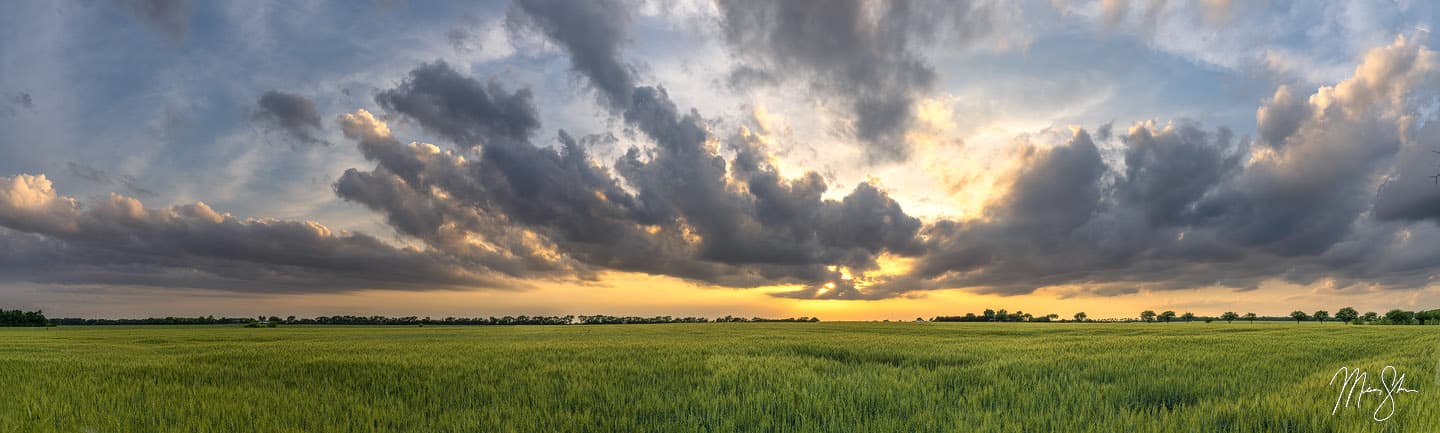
1190	208
99	177
463	40
1306	196
294	114
1333	188
1411	193
1289	42
50	238
1280	116
866	55
1182	207
679	209
169	16
780	229
24	100
17	101
1042	230
1167	171
460	109
592	33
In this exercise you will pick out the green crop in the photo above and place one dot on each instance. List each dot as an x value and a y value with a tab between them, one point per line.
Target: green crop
711	377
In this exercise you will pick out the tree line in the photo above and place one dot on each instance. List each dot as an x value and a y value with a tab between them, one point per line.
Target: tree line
1000	315
209	320
23	318
273	321
1347	315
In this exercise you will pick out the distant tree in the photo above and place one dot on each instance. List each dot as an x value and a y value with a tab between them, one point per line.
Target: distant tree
1370	316
1167	316
23	318
1229	316
1080	317
1299	315
1187	317
989	315
1399	317
1250	317
290	319
1422	316
1147	315
1321	315
1346	315
1002	315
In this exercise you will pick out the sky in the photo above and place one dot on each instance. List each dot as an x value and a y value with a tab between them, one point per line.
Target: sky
846	159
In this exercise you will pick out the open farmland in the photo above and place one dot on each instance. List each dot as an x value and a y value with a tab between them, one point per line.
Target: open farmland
790	377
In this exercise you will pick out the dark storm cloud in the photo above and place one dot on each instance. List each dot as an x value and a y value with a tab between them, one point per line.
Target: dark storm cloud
561	197
768	222
461	109
1151	207
511	183
865	54
1191	208
1178	215
169	16
1167	172
55	239
1183	207
1412	193
294	114
1059	190
592	33
682	210
1032	234
1309	196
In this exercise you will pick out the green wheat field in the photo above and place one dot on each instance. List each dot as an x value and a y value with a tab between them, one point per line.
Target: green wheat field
712	377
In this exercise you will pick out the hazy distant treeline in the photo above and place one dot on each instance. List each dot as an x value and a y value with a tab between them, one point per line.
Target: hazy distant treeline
1347	315
209	320
530	320
415	320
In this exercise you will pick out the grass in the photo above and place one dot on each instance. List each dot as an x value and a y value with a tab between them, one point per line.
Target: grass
793	377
